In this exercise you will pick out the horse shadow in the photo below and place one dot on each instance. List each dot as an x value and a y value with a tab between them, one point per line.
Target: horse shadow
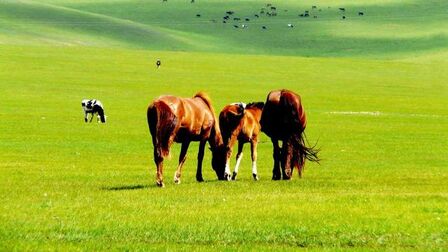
124	187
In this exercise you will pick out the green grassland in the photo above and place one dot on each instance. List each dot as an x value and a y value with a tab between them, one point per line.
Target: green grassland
375	90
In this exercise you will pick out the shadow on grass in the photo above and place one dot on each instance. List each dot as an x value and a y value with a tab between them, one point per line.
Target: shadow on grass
124	187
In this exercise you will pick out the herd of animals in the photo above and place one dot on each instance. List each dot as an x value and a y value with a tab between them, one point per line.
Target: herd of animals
270	10
184	120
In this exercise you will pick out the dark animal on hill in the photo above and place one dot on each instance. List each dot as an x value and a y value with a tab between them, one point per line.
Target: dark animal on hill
183	120
198	15
342	9
264	27
241	122
93	107
360	13
283	119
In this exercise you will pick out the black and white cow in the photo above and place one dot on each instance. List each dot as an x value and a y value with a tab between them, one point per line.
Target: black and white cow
93	107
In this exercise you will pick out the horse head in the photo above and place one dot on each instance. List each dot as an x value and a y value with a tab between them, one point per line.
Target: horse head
219	155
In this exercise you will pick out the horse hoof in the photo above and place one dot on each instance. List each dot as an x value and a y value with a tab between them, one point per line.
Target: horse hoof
227	177
234	175
255	176
160	184
199	179
176	181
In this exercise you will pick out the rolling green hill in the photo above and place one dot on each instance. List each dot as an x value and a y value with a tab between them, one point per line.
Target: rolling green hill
387	29
374	88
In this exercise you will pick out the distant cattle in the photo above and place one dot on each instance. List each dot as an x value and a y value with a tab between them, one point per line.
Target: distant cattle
247	19
225	17
236	19
230	12
257	16
198	15
313	7
224	21
315	16
264	27
290	25
343	17
243	26
306	15
342	9
360	13
273	8
236	26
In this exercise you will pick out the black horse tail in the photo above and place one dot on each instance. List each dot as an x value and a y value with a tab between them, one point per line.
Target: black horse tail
303	152
162	122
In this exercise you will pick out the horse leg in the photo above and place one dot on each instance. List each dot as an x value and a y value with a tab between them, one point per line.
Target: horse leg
276	174
158	159
253	150
91	117
200	158
286	159
182	158
230	144
85	116
239	156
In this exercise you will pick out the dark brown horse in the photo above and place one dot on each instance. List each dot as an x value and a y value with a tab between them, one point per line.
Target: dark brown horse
241	122
183	120
284	119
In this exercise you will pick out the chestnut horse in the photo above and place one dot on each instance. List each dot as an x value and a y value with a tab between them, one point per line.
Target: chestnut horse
241	122
183	120
284	119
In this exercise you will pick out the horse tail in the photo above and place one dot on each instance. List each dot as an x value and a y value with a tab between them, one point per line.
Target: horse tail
303	152
162	123
296	123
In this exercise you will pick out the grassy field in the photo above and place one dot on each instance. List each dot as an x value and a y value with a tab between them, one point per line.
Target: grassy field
375	90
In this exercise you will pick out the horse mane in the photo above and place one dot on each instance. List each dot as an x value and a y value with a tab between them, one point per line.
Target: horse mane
206	99
217	132
258	105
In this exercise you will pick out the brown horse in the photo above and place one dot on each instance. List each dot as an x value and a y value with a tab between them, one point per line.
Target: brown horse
284	119
241	122
183	120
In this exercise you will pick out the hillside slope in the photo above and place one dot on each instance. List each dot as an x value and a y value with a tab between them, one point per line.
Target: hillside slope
390	29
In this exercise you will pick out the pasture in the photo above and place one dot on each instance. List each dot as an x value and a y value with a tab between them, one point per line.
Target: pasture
374	88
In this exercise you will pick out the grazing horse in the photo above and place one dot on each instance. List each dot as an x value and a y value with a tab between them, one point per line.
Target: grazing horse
183	120
93	107
241	122
284	119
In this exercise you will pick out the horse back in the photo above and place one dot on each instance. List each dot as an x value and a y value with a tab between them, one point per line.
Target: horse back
283	114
